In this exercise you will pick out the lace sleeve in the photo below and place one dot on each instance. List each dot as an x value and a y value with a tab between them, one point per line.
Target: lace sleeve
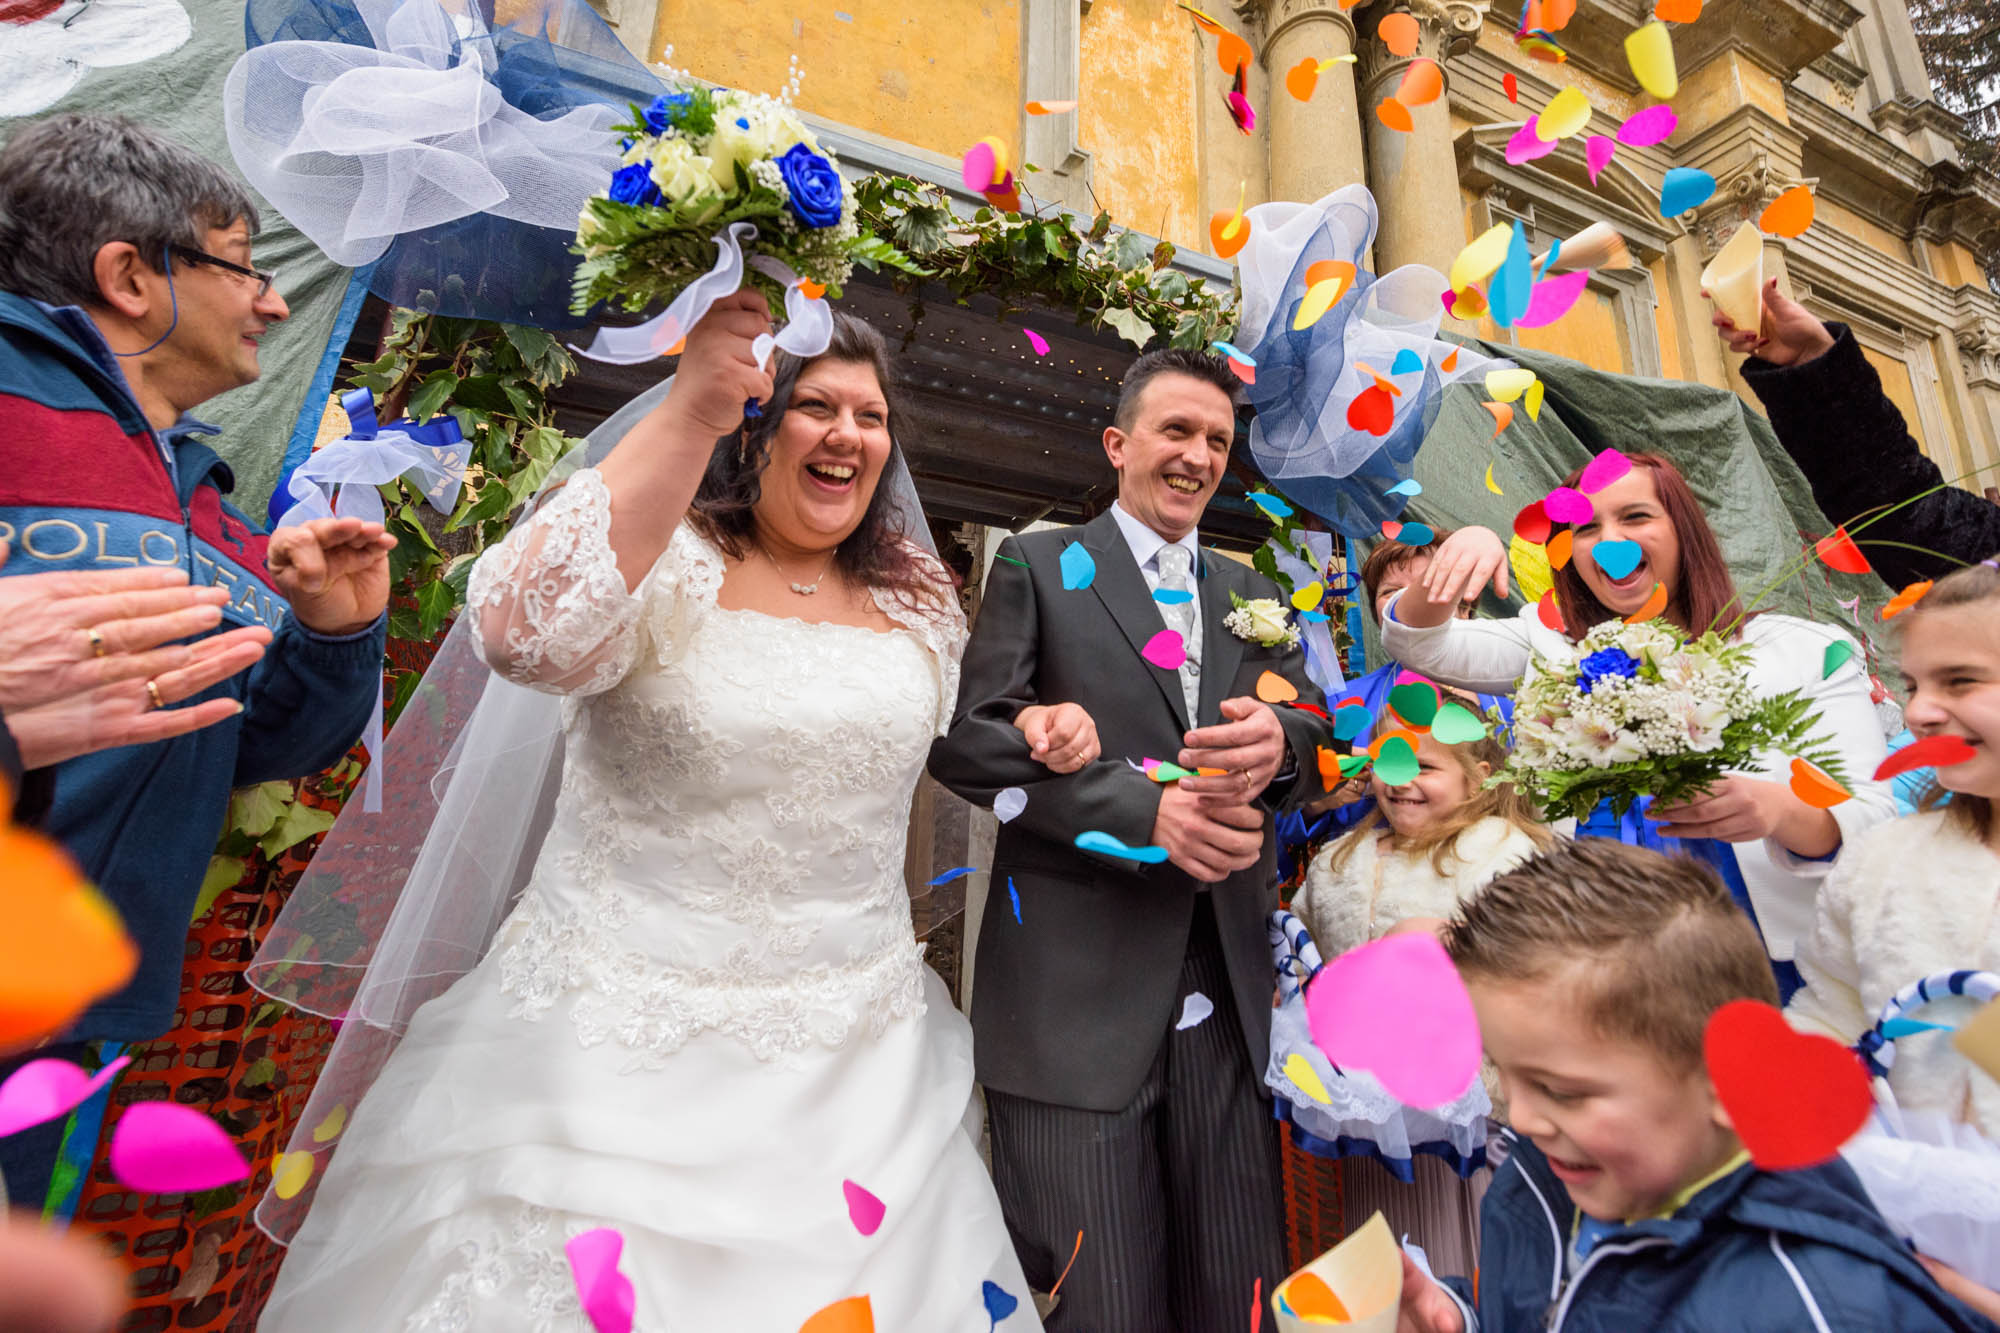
554	612
938	621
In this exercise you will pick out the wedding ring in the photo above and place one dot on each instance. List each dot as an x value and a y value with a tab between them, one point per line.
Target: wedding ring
153	693
96	642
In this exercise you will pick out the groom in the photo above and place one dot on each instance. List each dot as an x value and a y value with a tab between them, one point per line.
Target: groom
1116	1109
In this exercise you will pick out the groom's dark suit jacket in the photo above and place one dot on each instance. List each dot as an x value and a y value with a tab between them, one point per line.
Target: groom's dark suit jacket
1071	1002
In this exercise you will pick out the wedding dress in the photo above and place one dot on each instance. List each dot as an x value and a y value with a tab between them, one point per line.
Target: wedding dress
708	1010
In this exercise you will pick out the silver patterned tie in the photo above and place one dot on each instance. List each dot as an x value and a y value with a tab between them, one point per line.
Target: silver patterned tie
1175	564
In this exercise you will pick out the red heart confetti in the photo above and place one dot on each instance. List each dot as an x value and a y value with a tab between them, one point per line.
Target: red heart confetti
1930	752
1840	552
1794	1097
1372	410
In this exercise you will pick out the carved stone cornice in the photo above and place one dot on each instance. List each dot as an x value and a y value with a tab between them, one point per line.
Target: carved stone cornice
1979	349
1445	28
1740	195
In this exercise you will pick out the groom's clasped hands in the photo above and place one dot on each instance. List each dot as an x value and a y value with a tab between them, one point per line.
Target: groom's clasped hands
1212	826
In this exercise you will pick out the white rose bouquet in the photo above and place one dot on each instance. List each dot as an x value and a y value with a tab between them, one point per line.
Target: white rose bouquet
1641	710
1260	620
698	159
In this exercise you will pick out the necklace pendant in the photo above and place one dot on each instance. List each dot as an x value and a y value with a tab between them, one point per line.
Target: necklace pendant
805	589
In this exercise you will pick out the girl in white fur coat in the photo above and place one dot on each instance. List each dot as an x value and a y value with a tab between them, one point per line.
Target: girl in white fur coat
1430	844
1921	895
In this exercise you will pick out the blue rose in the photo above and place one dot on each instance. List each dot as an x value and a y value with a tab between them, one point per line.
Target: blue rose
814	185
634	185
665	110
1603	664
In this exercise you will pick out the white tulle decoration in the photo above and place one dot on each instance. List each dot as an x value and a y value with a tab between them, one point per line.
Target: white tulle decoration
1936	1182
357	145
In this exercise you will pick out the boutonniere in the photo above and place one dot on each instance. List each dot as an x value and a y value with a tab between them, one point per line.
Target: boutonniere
1262	621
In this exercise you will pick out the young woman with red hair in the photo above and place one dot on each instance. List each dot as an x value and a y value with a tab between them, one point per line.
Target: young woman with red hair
1770	847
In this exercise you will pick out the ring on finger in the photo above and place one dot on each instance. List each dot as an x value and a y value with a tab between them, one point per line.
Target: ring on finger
153	693
96	641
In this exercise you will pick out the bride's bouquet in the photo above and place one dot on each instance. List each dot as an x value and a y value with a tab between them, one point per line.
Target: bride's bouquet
697	161
1642	710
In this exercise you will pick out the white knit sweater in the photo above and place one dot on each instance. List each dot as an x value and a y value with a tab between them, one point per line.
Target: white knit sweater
1346	908
1907	898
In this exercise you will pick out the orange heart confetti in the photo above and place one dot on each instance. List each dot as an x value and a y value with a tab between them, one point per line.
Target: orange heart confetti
1273	688
1789	214
1375	746
1503	416
1329	767
1556	15
1326	282
1655	604
1838	550
1382	382
1395	115
1560	547
1450	363
1422	82
1204	22
1677	11
1329	270
1468	303
853	1315
1302	78
1399	32
1231	52
1906	599
1310	1298
1813	785
1050	108
64	946
1229	232
813	290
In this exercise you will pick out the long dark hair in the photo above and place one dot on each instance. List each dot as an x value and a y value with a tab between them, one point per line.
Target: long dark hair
877	554
1704	595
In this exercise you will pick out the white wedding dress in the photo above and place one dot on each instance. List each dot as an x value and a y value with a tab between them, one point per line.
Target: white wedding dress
707	1011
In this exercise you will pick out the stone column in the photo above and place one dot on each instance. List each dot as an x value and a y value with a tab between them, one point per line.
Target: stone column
1414	176
1316	144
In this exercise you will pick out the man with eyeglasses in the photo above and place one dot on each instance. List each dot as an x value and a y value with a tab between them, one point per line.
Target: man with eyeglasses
128	298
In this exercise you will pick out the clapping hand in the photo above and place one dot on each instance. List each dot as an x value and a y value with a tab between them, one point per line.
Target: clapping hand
333	571
1062	736
1249	748
68	632
1794	335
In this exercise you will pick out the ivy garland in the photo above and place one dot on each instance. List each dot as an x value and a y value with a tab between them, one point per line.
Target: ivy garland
1100	276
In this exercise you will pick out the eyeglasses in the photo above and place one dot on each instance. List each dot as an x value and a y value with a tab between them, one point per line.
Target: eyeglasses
263	277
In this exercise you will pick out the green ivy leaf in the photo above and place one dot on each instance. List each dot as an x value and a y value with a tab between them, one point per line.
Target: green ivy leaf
406	683
299	822
260	1072
431	395
224	872
435	605
1130	324
1130	250
493	500
253	810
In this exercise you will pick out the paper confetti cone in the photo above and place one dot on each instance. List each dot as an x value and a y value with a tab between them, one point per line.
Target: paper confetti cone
1735	278
1364	1273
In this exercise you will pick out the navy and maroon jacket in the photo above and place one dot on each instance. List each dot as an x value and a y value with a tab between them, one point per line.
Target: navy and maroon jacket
86	483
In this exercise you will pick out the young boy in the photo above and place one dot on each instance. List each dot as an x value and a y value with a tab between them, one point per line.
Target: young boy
1628	1202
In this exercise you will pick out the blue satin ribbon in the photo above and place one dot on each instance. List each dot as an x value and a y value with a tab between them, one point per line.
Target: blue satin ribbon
440	432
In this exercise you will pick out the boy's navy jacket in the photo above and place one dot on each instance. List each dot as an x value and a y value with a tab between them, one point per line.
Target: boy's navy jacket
1755	1252
86	483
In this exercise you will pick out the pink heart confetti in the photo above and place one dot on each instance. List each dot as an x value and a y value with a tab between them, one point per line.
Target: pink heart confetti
44	1089
1597	153
1037	341
1526	145
1551	298
1602	470
1567	506
1450	299
863	1208
1165	650
166	1148
1397	1009
605	1293
1651	126
978	167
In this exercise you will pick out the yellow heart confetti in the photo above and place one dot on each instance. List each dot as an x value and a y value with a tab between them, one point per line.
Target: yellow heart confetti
1567	112
1491	484
1504	386
1308	597
1533	401
336	1120
290	1172
1477	261
1650	51
1300	1071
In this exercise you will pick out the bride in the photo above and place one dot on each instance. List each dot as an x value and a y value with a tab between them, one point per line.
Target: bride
707	1013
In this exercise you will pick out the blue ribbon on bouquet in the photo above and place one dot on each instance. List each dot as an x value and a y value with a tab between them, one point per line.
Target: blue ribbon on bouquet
339	480
1635	830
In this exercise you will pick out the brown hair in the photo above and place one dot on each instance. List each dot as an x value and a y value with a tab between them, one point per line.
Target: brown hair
1390	556
1970	815
1663	946
878	553
1704	594
1501	799
1194	363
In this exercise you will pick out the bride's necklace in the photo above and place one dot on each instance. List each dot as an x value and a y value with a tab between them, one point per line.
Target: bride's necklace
802	589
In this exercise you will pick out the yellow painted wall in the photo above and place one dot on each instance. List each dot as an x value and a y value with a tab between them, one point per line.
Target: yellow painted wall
1498	41
1725	83
1591	333
1954	265
939	75
1143	67
1666	322
1826	213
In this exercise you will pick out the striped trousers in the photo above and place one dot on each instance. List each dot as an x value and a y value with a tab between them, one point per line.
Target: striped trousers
1178	1195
